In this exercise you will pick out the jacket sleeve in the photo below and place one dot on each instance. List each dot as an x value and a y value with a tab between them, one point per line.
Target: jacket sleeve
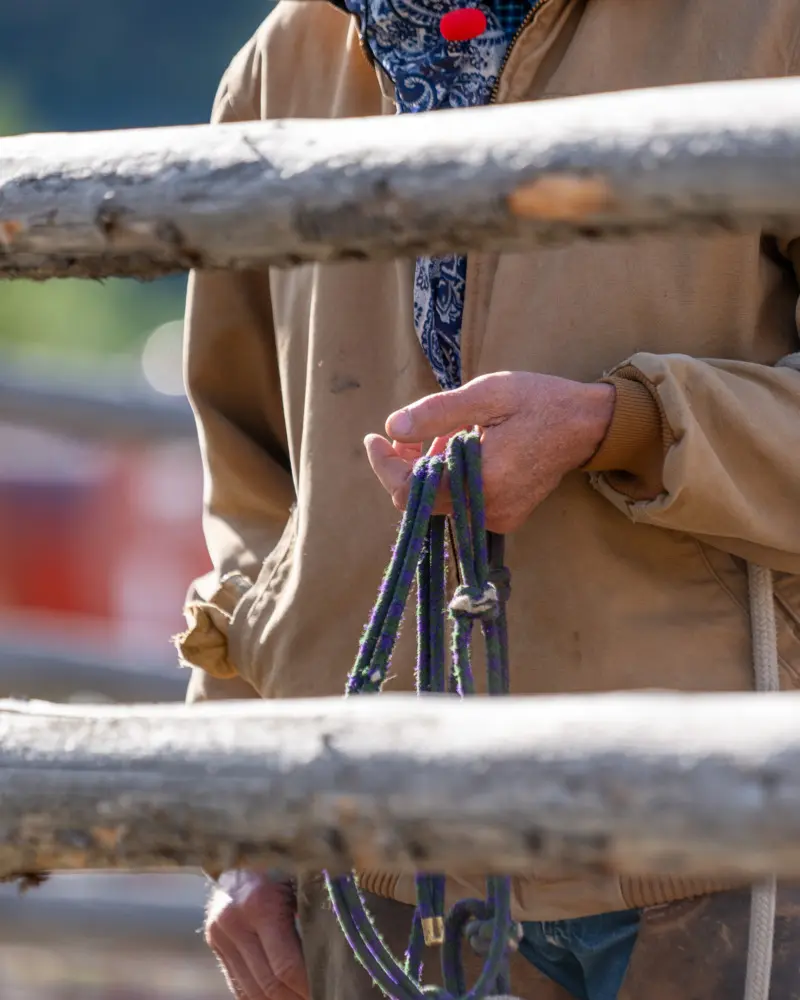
233	384
709	447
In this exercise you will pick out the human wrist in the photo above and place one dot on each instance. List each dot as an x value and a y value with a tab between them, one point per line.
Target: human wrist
592	415
631	455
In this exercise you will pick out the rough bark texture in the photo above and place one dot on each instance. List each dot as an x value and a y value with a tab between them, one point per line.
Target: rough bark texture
621	783
146	203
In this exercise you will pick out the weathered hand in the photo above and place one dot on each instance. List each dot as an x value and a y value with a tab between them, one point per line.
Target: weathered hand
534	429
250	927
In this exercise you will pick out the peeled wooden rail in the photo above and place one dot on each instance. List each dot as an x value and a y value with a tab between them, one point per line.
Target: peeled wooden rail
706	157
624	783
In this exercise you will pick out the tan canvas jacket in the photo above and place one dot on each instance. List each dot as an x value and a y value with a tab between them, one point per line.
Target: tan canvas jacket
288	370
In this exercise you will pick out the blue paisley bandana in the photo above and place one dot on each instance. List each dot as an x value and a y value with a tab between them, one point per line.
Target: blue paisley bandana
428	74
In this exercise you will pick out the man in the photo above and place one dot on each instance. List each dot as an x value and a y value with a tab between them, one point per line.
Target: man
632	501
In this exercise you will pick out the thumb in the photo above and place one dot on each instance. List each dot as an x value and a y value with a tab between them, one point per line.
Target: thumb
481	401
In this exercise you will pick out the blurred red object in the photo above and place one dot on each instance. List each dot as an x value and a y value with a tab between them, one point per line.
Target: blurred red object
100	534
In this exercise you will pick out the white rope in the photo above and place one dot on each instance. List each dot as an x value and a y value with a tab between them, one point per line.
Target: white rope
767	678
764	637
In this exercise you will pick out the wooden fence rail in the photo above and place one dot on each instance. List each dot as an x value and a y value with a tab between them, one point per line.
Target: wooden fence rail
628	783
144	203
70	670
163	919
104	409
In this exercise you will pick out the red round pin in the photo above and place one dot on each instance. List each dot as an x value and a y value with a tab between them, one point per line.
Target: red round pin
462	24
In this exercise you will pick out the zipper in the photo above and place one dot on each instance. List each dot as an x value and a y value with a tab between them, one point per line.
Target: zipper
471	258
362	39
525	24
493	95
342	6
534	10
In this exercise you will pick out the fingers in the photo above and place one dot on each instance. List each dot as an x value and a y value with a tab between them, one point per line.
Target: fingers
253	935
272	919
241	981
224	927
439	446
393	471
410	452
276	968
484	402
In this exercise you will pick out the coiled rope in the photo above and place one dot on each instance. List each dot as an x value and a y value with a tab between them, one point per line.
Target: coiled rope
480	597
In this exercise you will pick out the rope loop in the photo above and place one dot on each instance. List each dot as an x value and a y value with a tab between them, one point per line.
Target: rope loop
420	554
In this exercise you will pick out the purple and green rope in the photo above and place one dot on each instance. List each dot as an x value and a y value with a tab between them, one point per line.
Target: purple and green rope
481	596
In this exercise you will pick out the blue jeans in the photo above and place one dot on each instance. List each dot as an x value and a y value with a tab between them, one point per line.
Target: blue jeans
588	956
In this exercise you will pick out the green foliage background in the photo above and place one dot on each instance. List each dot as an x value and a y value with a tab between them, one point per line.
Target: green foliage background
100	64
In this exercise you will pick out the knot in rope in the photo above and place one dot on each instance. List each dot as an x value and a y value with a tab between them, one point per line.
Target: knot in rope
474	603
480	598
500	578
479	936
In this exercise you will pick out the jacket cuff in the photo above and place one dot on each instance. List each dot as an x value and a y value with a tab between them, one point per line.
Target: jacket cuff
632	453
204	644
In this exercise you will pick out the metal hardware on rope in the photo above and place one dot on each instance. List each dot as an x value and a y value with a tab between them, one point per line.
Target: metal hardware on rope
481	596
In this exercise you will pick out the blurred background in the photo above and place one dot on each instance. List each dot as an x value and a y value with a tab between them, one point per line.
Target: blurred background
100	480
